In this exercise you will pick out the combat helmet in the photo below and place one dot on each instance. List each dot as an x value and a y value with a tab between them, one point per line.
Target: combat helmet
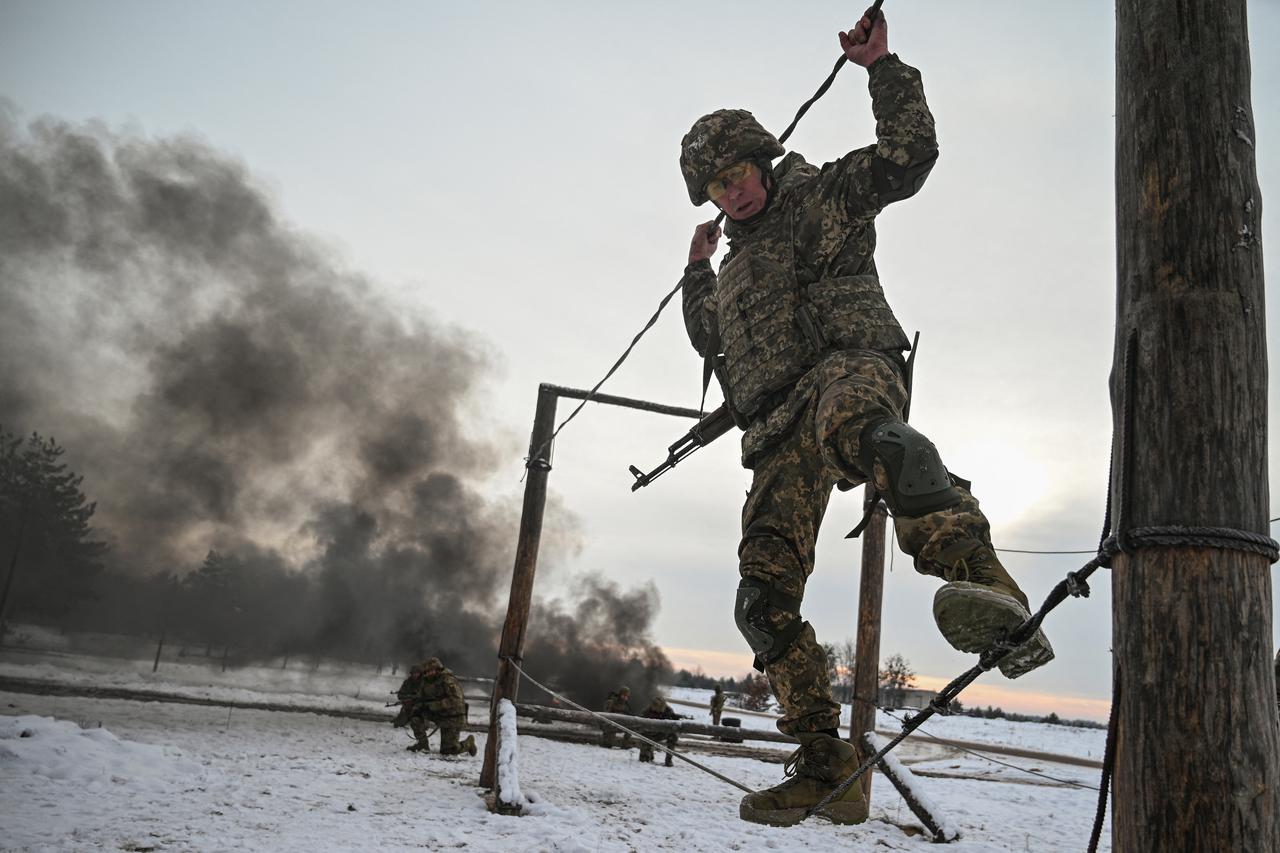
432	663
717	141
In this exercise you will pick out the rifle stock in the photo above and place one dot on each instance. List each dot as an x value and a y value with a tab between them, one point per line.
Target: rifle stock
705	431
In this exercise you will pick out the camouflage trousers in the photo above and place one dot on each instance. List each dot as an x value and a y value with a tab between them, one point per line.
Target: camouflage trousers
669	738
791	484
449	728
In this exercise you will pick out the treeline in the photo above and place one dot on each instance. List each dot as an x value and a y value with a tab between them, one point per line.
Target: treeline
57	572
991	713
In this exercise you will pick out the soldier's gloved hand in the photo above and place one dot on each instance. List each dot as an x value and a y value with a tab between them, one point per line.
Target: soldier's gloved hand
704	242
866	42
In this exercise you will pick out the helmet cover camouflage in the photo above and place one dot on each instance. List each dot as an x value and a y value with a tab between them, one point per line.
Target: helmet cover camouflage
432	663
717	141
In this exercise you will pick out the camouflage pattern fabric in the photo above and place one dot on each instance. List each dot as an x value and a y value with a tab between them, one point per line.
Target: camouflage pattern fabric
659	710
790	488
616	703
717	706
821	221
719	140
440	695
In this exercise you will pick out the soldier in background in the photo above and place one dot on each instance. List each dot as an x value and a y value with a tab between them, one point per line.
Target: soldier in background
809	354
617	702
440	701
717	705
659	710
407	694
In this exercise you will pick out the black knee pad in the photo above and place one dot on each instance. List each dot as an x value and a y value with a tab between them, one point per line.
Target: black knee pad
918	481
756	603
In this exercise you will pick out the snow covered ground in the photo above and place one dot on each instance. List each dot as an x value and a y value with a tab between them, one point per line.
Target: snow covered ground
93	774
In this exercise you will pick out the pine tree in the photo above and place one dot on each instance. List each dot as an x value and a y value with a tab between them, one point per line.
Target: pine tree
45	531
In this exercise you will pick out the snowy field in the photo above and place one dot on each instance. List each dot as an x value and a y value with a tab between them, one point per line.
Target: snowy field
94	774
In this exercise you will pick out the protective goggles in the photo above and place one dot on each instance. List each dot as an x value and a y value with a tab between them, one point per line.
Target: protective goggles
735	174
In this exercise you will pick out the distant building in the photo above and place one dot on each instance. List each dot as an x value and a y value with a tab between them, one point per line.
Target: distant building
912	698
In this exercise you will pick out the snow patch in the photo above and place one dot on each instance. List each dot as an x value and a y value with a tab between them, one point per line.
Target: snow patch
91	758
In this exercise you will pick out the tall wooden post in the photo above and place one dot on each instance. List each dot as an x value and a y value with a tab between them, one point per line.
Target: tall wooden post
866	674
1198	758
507	683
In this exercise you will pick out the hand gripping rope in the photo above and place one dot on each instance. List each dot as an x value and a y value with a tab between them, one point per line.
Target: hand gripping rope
873	12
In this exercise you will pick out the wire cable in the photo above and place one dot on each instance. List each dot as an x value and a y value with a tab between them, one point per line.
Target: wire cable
634	734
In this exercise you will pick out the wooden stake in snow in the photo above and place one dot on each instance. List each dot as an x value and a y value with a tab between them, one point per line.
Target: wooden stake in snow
1198	741
507	797
911	790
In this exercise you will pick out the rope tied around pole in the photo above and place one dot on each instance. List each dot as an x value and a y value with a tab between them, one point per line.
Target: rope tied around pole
682	756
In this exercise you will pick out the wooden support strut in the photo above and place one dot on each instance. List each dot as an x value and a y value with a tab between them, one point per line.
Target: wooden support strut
511	646
866	672
507	683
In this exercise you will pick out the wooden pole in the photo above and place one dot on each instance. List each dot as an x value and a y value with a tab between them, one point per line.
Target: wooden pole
1198	750
507	683
159	649
13	569
866	672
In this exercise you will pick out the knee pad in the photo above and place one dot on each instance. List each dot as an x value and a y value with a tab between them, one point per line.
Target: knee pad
918	481
753	611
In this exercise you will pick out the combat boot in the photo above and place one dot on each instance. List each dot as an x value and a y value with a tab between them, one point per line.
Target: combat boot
420	746
814	770
469	745
981	603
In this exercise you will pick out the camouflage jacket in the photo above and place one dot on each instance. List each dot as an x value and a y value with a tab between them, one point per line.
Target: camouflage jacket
660	712
615	704
441	696
717	701
821	222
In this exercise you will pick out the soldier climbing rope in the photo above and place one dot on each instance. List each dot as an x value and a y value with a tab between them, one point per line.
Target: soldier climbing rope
804	108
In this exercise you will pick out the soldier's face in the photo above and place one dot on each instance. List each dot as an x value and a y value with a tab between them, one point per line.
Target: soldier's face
744	198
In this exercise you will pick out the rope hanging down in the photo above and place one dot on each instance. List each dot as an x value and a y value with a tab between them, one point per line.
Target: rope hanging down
617	725
804	108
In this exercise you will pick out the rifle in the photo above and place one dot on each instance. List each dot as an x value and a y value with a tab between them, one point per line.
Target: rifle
705	431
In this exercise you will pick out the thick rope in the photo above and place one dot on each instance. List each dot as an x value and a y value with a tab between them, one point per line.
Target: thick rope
636	735
1108	763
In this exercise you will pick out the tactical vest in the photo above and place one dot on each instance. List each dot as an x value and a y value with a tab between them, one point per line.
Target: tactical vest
772	329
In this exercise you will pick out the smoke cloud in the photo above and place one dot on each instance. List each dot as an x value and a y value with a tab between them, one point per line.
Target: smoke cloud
225	385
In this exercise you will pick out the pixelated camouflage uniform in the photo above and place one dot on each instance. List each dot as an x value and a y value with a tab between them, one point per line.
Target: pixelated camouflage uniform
440	701
820	225
616	702
659	710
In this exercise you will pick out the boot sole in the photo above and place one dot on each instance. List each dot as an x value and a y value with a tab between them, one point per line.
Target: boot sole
844	813
771	817
972	617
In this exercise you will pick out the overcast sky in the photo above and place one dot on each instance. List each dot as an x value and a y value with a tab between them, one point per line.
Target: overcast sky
511	169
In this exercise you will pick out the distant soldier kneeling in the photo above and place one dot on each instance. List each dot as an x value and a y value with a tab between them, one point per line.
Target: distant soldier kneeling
408	694
439	701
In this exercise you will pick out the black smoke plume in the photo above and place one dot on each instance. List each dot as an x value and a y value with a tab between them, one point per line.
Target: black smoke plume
278	456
